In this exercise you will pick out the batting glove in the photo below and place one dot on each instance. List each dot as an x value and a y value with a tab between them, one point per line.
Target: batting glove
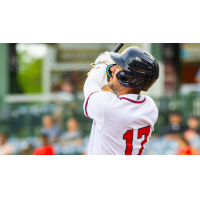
104	58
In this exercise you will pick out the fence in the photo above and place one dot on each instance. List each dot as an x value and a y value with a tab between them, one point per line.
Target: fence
186	104
24	120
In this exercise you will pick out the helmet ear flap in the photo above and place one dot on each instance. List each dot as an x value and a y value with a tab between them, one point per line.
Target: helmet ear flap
124	77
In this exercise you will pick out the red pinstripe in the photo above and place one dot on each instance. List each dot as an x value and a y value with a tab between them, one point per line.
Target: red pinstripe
86	104
132	100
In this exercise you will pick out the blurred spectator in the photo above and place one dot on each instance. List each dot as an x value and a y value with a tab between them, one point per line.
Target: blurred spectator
193	131
174	127
73	135
197	79
185	148
46	148
67	85
28	150
67	90
5	147
50	129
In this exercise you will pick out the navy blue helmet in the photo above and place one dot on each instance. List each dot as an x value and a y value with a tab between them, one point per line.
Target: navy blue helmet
141	69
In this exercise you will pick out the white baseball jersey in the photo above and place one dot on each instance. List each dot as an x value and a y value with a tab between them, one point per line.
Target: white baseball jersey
121	125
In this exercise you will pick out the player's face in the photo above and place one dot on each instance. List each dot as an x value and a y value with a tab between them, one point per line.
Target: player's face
114	83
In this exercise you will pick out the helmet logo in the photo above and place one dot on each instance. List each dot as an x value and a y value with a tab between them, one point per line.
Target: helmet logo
124	52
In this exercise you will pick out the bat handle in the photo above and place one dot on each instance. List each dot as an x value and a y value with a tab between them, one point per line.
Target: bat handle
118	47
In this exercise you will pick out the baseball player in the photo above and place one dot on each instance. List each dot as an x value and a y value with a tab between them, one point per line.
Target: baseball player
122	121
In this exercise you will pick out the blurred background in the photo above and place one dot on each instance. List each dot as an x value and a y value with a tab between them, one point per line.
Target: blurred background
41	97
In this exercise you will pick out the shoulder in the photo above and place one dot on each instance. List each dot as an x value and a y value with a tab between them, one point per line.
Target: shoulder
106	94
56	127
97	103
168	126
152	108
43	129
183	127
101	96
198	130
50	150
37	151
50	147
63	136
8	146
148	98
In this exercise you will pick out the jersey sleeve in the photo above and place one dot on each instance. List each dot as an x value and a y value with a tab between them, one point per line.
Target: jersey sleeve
95	105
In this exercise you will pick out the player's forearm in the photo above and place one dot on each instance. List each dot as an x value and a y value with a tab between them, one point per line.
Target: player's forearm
94	80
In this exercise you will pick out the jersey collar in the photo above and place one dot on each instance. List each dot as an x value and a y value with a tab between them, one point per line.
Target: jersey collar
133	97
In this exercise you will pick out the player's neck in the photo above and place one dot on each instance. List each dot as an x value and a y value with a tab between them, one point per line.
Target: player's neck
127	91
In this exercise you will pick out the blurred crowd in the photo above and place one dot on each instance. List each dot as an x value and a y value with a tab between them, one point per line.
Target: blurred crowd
51	141
52	138
176	138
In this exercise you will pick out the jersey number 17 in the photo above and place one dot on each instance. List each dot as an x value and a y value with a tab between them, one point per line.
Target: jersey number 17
128	136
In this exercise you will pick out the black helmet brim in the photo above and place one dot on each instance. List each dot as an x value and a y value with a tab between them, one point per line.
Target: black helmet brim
117	58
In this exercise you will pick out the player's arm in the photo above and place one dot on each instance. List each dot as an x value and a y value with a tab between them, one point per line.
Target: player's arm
98	78
94	80
95	99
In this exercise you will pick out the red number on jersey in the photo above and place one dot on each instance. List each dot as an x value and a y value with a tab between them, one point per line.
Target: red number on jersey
143	131
128	136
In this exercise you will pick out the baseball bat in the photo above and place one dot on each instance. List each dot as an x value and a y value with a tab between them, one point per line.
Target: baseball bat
118	47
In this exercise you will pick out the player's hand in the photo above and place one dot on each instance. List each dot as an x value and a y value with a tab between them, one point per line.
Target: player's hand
104	58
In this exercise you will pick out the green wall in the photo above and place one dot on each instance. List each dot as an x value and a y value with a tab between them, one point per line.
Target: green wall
156	51
4	73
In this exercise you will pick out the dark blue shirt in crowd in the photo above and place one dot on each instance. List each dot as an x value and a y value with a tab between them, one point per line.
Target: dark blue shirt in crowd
52	133
173	129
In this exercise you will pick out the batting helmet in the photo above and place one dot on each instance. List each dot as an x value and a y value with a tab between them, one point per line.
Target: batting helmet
141	69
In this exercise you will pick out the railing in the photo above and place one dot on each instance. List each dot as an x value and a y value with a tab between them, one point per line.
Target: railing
24	120
185	104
